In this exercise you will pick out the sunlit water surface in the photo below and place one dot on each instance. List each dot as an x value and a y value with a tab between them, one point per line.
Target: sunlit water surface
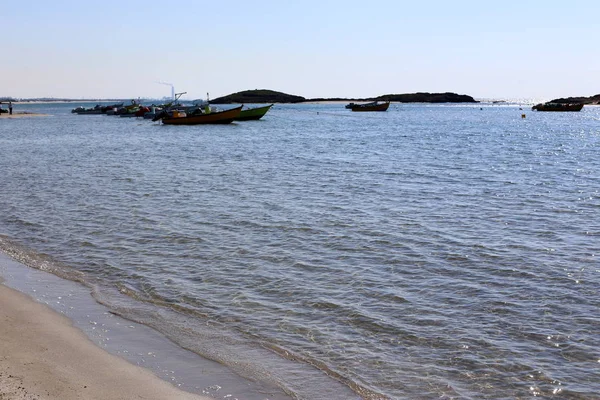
432	251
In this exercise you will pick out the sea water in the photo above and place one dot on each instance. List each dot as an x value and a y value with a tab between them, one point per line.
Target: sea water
431	251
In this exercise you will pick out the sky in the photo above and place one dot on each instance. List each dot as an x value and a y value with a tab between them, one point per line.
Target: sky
329	48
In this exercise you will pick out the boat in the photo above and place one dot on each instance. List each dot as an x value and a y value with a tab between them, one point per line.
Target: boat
129	113
558	106
181	118
373	106
253	114
142	111
112	107
156	112
98	109
88	111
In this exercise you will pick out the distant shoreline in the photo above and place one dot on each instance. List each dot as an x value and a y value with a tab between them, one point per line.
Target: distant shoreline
272	96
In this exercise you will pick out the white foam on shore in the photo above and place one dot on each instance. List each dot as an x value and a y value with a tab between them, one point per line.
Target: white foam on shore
137	343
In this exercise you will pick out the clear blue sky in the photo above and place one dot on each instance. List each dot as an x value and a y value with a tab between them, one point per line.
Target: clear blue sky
487	49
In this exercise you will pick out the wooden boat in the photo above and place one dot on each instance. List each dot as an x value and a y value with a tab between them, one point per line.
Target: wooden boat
98	109
180	118
112	107
129	113
87	111
558	107
374	106
142	111
253	114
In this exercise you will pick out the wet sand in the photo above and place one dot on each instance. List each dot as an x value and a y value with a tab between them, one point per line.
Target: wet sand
21	114
43	357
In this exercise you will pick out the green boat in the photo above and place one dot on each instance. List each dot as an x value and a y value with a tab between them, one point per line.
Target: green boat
253	113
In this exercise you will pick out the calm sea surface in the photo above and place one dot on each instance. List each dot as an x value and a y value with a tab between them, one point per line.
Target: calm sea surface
432	251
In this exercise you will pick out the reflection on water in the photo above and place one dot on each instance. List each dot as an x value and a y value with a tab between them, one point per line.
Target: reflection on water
429	251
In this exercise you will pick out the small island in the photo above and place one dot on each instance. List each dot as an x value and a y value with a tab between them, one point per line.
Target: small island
578	100
258	96
271	96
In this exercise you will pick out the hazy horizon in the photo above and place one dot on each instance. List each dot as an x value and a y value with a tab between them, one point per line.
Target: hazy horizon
188	98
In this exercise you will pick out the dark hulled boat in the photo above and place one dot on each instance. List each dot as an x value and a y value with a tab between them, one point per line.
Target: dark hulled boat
558	107
374	106
87	111
180	118
98	109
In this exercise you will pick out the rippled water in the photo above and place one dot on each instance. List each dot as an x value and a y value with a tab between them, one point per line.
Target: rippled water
433	251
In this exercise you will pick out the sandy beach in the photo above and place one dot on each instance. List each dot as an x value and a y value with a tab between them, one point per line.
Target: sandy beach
43	357
22	114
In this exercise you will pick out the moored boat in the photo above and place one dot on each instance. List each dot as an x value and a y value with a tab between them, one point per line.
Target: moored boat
111	108
558	107
181	118
98	109
131	113
142	111
88	111
253	114
373	106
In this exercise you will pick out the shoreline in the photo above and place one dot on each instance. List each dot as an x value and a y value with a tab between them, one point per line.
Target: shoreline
43	356
53	330
21	114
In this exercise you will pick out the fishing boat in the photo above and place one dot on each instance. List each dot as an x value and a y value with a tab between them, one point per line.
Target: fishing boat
128	110
253	114
558	107
88	111
129	113
98	109
373	106
142	111
181	118
111	107
156	112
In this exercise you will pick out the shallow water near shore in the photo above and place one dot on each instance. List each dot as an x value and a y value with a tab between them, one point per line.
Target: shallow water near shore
432	251
139	344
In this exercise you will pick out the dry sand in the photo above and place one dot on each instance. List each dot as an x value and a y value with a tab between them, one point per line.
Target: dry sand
43	357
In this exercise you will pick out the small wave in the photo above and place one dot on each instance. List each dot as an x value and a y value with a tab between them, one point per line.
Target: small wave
41	261
360	389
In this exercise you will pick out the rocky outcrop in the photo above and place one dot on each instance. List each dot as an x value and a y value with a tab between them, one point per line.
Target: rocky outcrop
428	98
421	97
582	100
258	96
270	96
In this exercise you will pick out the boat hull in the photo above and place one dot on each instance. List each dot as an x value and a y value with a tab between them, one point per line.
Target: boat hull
370	107
253	114
88	112
558	107
221	117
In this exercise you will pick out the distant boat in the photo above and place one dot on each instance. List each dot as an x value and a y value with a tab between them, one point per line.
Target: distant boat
181	118
142	111
86	111
98	109
112	107
374	106
558	107
253	113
